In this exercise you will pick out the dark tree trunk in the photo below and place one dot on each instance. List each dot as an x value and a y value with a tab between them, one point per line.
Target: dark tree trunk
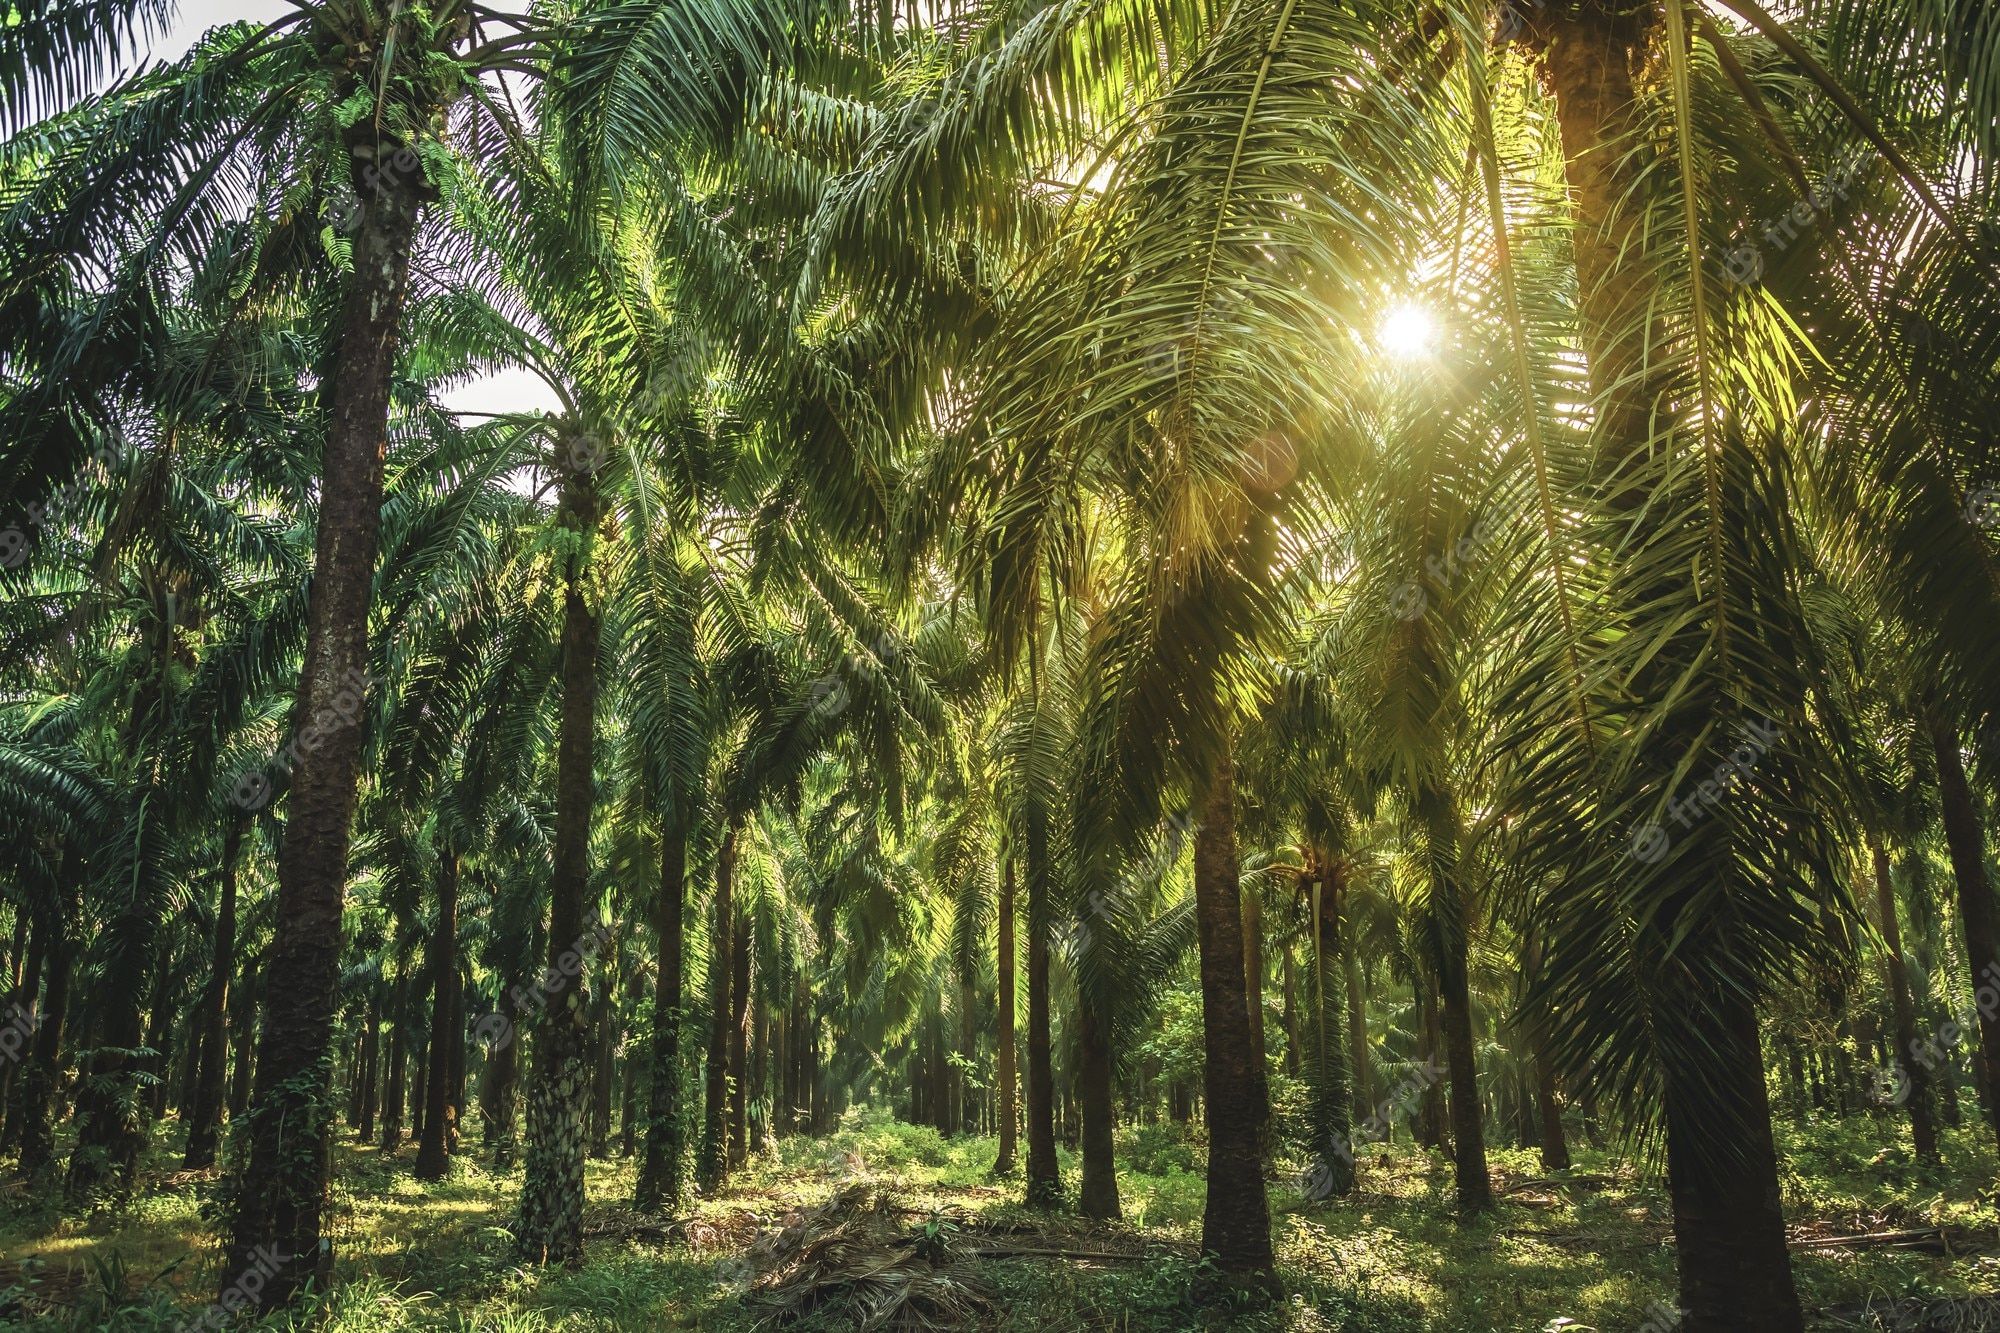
206	1118
1915	1071
1003	1164
1451	931
417	1089
371	1065
1329	1100
160	1032
1098	1195
243	1026
38	1077
1361	1068
550	1227
760	1050
1975	901
1236	1222
605	1039
26	982
1289	979
713	1167
399	1058
739	1042
497	1096
283	1191
1430	1045
1253	975
1044	1180
968	1051
434	1147
1736	1272
660	1173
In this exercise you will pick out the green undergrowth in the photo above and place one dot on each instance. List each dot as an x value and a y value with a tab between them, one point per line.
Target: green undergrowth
1588	1251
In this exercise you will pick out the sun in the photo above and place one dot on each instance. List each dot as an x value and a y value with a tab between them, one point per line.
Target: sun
1408	332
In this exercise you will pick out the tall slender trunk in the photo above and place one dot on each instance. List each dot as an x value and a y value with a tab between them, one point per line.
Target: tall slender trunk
759	1058
160	1031
27	987
498	1094
1916	1073
283	1191
1003	1164
713	1167
1450	932
1360	1066
1430	1043
39	1076
1253	974
968	1051
549	1229
1236	1221
371	1064
1098	1194
1330	1105
604	1040
243	1027
1967	842
433	1149
1289	982
1044	1182
660	1172
739	1042
399	1058
206	1117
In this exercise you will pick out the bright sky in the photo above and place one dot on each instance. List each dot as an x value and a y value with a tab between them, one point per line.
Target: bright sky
509	391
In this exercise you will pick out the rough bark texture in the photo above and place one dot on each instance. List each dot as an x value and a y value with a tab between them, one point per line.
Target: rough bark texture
206	1117
1098	1194
1236	1221
1975	901
1044	1182
1722	1170
1003	1164
434	1148
550	1227
1916	1080
280	1198
38	1077
659	1187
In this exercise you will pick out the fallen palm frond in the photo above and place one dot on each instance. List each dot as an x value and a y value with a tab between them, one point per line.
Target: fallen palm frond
849	1257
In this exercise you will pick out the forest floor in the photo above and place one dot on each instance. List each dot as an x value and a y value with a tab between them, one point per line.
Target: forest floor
1588	1251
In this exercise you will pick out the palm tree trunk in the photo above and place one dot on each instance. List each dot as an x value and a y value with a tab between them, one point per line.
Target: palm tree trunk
739	1042
39	1076
1044	1182
714	1165
1332	1173
1736	1272
206	1117
399	1059
371	1065
27	986
660	1172
283	1189
550	1226
1975	900
1003	1164
1236	1221
243	1026
1098	1195
433	1158
1253	974
1916	1074
1360	1068
503	1072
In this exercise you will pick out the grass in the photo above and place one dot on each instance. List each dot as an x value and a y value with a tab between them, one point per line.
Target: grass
1391	1259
